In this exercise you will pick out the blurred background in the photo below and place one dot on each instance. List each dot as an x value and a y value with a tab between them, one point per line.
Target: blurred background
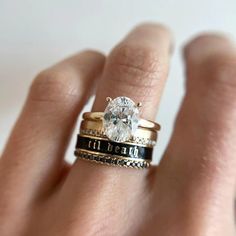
36	34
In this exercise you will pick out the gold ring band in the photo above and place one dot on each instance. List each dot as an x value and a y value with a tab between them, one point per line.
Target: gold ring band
147	124
136	141
98	125
100	134
95	128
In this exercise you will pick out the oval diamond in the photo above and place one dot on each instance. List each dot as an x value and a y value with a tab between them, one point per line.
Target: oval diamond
120	120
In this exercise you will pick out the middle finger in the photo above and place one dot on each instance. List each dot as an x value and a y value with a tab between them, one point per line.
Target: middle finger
136	68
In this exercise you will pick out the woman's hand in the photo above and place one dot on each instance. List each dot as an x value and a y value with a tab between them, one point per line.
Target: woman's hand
191	192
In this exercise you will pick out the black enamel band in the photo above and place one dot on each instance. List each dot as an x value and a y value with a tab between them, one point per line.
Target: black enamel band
104	146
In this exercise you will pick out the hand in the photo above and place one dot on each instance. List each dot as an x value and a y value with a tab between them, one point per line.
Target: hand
191	192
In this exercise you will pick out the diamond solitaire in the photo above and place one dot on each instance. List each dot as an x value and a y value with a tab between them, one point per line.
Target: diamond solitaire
121	119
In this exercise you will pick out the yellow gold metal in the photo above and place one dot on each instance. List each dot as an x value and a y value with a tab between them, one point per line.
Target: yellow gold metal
97	125
104	138
101	163
139	104
108	99
147	124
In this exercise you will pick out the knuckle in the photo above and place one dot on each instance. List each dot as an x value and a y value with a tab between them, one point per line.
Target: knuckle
54	86
211	168
137	65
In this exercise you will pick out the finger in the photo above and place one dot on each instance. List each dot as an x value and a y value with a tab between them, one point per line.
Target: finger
200	159
136	68
35	150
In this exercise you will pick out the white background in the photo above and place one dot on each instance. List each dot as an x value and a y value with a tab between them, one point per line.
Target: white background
36	34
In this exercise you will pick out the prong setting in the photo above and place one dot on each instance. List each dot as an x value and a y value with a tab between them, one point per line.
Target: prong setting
139	104
108	99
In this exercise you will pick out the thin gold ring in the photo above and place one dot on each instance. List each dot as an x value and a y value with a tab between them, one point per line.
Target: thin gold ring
142	122
97	125
151	144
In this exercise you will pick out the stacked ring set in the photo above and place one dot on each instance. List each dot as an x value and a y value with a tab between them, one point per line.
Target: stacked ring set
117	136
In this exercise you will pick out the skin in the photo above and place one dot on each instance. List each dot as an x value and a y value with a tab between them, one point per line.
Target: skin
191	192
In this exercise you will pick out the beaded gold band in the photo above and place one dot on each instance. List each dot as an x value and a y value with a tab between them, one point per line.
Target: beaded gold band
137	140
96	127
